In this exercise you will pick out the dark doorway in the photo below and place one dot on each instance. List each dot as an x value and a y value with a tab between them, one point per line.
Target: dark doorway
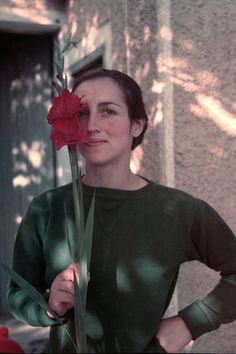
26	155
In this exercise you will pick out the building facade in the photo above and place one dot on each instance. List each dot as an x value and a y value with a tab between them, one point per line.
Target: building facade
182	53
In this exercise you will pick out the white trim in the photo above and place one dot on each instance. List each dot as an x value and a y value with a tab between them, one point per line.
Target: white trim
30	20
127	40
91	43
165	50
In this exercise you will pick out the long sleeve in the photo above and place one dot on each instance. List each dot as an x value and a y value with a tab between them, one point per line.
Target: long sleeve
213	243
28	261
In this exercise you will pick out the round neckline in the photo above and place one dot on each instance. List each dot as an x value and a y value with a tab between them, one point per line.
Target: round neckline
113	193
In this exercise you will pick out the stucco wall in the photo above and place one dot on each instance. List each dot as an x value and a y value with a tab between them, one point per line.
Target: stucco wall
204	95
205	129
183	54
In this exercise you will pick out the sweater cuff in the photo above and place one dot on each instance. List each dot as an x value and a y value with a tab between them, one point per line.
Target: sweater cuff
196	320
37	316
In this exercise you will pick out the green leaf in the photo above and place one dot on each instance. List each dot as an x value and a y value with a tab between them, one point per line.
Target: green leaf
80	189
80	193
65	82
58	50
29	289
70	235
83	281
58	58
80	325
75	44
88	232
62	63
57	87
68	46
67	43
86	250
58	66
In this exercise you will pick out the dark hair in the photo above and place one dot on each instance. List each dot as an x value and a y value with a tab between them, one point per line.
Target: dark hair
130	89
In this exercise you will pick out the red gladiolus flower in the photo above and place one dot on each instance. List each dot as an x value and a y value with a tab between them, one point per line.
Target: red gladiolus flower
63	117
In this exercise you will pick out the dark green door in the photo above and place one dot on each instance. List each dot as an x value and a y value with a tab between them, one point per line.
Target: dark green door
26	156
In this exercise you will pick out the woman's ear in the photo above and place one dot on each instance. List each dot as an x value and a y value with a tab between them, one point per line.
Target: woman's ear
137	126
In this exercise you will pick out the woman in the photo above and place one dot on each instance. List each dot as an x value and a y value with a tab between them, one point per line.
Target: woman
143	232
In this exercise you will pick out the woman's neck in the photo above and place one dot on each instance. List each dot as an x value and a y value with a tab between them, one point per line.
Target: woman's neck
108	177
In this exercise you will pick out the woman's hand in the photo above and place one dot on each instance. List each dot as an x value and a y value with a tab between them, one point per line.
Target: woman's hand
61	297
173	334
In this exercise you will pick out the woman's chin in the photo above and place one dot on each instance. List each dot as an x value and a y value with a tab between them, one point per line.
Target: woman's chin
93	158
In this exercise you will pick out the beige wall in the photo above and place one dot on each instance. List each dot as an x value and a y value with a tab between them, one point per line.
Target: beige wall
183	55
203	49
182	52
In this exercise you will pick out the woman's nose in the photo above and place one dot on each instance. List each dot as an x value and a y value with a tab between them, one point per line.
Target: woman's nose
93	123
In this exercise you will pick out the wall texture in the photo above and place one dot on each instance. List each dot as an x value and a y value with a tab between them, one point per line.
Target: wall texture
183	55
203	66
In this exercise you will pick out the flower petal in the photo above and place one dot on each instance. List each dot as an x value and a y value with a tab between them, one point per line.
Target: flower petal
63	118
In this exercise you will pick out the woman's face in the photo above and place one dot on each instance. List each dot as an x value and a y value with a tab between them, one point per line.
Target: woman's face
110	131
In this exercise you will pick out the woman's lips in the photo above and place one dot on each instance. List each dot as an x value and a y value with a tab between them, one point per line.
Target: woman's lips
94	143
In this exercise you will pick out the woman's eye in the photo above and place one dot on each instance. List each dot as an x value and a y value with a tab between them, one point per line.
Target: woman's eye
108	112
83	114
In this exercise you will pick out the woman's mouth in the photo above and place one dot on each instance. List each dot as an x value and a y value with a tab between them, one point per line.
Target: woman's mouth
94	143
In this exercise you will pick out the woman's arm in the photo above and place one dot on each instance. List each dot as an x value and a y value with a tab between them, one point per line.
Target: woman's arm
29	262
212	242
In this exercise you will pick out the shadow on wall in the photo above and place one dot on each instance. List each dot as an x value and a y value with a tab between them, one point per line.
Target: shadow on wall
184	63
186	66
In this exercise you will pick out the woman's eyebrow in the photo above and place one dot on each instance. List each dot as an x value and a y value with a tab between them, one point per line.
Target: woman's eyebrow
104	103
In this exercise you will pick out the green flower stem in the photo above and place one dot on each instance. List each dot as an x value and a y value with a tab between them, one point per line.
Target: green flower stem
79	254
78	206
80	190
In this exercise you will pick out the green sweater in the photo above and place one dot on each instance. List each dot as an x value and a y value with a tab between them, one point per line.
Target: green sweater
140	240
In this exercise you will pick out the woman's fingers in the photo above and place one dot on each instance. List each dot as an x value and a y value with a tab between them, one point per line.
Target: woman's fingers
60	308
60	301
63	286
68	273
61	296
